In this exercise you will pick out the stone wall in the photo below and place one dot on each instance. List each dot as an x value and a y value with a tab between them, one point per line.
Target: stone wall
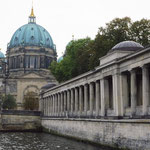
13	120
127	134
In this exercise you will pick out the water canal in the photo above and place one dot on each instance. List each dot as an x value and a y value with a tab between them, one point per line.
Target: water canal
41	141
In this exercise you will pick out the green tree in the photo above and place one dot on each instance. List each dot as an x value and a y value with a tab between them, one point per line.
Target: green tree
140	32
75	61
83	55
31	102
9	102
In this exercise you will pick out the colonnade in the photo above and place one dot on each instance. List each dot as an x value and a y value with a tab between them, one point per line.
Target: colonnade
110	95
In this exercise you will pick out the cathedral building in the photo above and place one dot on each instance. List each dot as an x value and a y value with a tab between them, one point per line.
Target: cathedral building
29	54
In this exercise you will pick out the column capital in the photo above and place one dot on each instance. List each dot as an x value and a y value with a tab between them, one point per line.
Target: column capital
86	84
144	66
132	70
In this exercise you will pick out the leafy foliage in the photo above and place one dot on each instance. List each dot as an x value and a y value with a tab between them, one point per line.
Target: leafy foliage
75	61
9	102
31	102
83	55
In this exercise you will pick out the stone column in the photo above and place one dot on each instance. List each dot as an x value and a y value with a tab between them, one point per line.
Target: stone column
102	86
91	98
145	88
40	104
97	98
44	106
86	98
65	102
133	92
124	93
80	100
68	101
72	101
53	105
58	104
76	101
62	104
116	94
48	105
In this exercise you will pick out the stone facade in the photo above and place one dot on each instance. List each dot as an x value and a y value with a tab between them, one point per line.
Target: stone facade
118	88
29	54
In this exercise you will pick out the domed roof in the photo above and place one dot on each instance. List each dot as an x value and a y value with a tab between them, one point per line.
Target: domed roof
127	45
48	86
31	34
60	59
1	55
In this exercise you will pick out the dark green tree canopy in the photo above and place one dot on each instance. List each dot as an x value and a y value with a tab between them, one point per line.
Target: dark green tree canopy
83	55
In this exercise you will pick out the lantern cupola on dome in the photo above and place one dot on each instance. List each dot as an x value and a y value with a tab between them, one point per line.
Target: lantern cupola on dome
32	18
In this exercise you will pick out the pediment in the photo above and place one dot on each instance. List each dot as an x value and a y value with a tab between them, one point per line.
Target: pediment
32	76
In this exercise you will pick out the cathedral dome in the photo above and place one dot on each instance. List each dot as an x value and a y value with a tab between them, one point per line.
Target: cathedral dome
32	34
127	45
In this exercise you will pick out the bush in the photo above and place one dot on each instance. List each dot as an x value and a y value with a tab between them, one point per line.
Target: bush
31	102
9	102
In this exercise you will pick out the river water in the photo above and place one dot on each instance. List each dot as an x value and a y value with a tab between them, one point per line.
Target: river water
40	141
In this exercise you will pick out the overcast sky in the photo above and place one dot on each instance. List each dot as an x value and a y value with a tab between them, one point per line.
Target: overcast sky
64	18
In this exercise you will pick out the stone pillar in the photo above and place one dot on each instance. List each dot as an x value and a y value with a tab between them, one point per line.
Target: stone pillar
80	100
124	93
86	98
97	98
40	103
133	92
102	86
146	89
44	106
116	94
65	102
53	105
68	101
58	104
48	105
76	101
91	98
62	104
72	101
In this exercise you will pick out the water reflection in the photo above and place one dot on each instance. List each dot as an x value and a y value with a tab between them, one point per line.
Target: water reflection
40	141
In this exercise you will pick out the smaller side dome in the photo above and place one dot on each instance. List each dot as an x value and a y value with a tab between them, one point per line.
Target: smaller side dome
127	46
60	59
1	55
48	86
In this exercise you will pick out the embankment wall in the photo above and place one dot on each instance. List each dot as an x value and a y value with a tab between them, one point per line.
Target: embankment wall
127	134
18	120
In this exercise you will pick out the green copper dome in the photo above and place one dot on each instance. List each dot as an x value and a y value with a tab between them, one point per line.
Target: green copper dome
31	34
